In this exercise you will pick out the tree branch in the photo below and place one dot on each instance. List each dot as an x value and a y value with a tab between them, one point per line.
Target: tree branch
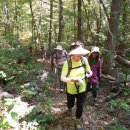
122	61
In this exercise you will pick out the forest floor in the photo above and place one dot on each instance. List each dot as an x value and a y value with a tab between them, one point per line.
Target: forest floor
93	118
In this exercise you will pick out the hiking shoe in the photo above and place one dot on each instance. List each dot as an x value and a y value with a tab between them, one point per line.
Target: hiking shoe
88	95
78	124
95	102
61	90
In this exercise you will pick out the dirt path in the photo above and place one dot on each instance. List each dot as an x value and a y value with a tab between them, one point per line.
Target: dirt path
94	118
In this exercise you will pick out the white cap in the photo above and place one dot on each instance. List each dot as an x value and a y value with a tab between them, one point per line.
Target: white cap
59	47
80	51
95	49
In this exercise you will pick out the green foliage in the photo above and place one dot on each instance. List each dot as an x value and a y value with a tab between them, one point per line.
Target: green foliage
49	79
48	104
5	121
17	66
14	116
101	37
13	53
119	104
126	91
37	116
11	38
31	89
29	92
116	126
4	124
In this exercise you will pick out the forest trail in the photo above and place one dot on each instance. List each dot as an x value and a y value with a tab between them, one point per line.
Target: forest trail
94	118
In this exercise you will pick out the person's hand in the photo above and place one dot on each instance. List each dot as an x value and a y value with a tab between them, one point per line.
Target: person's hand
74	80
88	75
78	80
58	66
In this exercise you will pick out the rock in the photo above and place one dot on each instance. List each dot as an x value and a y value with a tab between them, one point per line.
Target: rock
4	95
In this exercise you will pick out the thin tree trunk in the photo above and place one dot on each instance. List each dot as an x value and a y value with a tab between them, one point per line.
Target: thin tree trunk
79	21
88	22
74	8
104	8
50	29
112	34
16	18
33	23
124	17
6	18
60	33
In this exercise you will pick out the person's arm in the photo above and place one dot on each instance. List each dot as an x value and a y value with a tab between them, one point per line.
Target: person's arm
88	70
64	72
65	79
54	60
100	70
89	74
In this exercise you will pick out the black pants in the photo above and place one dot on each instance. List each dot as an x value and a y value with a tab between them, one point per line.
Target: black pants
92	87
79	102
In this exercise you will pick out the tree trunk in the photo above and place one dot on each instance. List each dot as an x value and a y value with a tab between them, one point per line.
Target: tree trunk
60	21
16	16
122	61
33	23
74	8
89	28
124	17
6	18
112	34
51	17
79	22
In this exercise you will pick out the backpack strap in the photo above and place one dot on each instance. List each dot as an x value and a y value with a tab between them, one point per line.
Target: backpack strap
70	65
65	53
84	65
70	68
77	87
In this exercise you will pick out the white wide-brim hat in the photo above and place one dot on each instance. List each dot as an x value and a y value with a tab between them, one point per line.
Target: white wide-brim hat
59	47
79	51
95	49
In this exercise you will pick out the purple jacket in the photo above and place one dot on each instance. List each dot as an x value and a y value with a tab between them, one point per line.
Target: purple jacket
97	72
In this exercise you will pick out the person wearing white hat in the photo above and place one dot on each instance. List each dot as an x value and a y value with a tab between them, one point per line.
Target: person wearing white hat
76	44
59	59
96	67
76	82
58	47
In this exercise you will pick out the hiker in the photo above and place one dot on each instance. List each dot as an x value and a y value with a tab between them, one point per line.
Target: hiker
44	51
53	52
76	82
76	44
96	67
59	58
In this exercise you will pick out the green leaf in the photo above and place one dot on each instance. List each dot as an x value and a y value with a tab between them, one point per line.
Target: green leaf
14	116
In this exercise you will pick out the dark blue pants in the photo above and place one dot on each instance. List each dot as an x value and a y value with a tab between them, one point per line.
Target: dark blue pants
92	87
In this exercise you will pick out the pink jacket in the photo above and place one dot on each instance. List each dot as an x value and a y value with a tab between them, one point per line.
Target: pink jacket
97	72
